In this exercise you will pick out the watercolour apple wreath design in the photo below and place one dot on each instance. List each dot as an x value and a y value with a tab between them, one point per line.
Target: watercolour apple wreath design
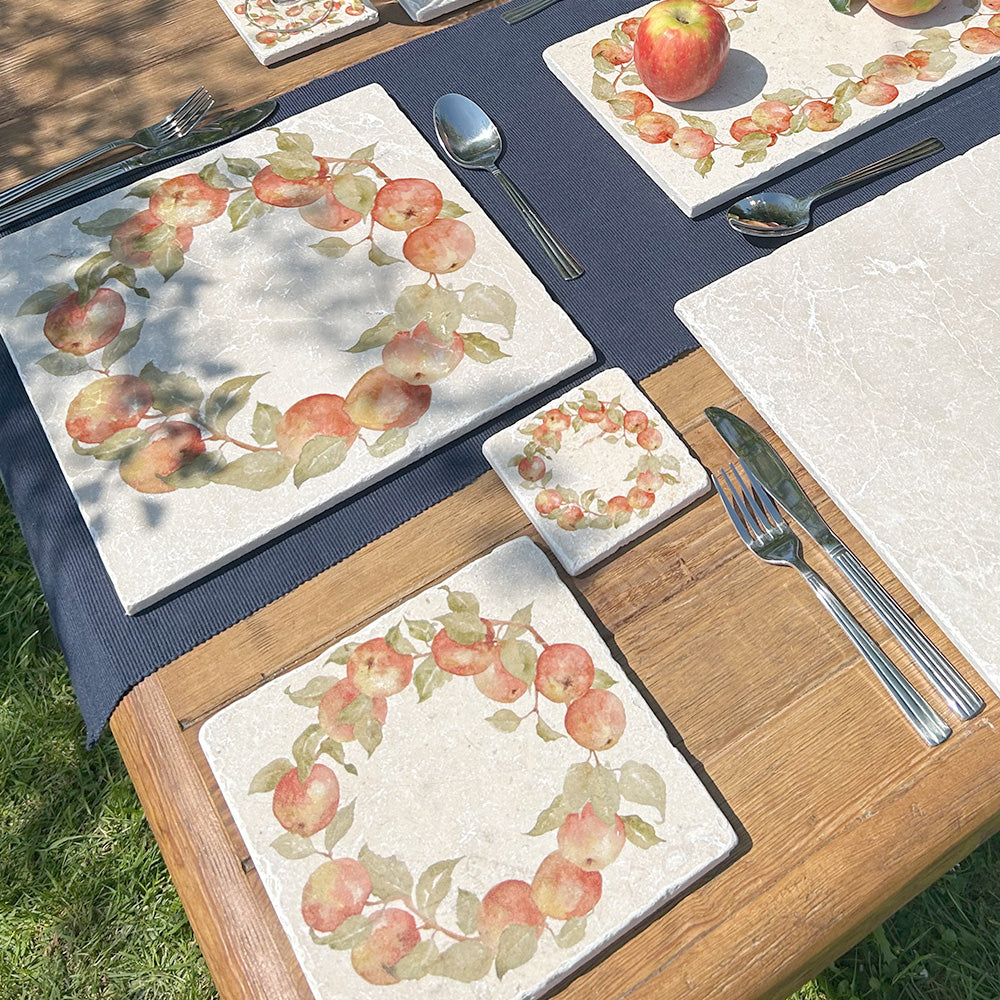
599	420
166	431
278	20
781	112
398	927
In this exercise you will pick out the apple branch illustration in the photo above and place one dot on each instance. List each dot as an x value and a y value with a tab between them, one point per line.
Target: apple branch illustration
401	935
165	430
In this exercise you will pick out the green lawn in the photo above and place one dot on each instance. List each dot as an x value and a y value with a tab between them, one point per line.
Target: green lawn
87	909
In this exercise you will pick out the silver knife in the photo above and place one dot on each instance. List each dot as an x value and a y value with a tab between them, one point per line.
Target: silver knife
195	142
764	462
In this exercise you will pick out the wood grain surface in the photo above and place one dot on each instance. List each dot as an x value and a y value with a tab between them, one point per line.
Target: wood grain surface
842	811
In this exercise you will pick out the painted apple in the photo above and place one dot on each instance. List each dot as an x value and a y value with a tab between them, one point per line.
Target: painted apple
680	49
904	8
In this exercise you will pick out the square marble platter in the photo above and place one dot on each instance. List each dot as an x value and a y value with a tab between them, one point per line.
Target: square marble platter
263	311
871	347
790	51
596	468
277	29
426	846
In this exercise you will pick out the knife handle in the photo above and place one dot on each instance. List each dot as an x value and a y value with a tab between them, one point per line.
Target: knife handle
950	684
30	206
921	716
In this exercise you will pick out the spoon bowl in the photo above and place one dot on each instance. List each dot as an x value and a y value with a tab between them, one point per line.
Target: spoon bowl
469	138
775	213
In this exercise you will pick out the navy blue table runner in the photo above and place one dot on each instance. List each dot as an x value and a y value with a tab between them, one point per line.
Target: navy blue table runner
640	252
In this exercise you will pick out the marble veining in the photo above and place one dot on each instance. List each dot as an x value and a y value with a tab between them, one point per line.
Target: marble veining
872	347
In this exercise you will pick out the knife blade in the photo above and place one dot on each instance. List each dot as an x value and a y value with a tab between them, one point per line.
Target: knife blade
767	466
197	141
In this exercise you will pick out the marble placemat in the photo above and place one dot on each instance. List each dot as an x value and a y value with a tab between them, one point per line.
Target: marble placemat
467	798
596	468
278	29
871	347
800	79
247	363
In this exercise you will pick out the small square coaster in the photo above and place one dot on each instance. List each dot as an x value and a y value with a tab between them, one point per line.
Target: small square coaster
596	468
277	29
468	798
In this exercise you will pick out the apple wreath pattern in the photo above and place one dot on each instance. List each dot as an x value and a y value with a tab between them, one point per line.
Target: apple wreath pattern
165	430
277	21
395	926
782	112
597	420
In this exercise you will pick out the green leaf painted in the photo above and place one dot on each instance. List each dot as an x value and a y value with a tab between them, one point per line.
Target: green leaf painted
390	877
517	946
490	304
481	348
62	364
338	827
467	911
258	470
42	301
265	423
388	441
640	833
319	455
267	778
244	209
505	720
605	796
465	961
293	847
106	223
355	192
225	401
641	784
312	693
433	885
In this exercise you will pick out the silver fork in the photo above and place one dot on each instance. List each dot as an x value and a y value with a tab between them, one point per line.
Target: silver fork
766	533
514	14
176	125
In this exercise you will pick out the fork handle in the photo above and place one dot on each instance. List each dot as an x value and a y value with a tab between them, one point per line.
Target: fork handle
514	14
18	191
949	683
931	727
38	203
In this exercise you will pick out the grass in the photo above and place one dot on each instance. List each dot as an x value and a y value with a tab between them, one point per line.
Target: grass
88	912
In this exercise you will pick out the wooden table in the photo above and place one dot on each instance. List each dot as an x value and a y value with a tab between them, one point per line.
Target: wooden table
843	813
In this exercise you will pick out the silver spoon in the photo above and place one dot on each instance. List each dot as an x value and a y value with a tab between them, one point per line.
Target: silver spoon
773	213
471	139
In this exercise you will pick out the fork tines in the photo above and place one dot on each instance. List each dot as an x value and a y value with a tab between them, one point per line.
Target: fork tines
749	500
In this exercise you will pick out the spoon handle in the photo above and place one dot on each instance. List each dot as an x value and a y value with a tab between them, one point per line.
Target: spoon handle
567	265
905	156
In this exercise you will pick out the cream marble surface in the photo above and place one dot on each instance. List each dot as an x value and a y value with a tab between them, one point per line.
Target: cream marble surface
266	312
872	347
779	45
277	29
439	812
596	468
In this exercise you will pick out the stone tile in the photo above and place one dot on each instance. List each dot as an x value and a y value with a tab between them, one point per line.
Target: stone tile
277	29
790	51
452	815
589	484
253	357
870	346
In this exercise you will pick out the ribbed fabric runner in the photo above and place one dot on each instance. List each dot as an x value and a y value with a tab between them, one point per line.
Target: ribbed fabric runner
640	252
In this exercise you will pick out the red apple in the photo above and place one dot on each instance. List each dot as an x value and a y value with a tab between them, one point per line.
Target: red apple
680	49
904	8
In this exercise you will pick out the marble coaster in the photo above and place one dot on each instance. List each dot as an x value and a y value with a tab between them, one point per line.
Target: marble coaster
801	78
596	468
247	362
488	801
855	345
427	10
277	29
